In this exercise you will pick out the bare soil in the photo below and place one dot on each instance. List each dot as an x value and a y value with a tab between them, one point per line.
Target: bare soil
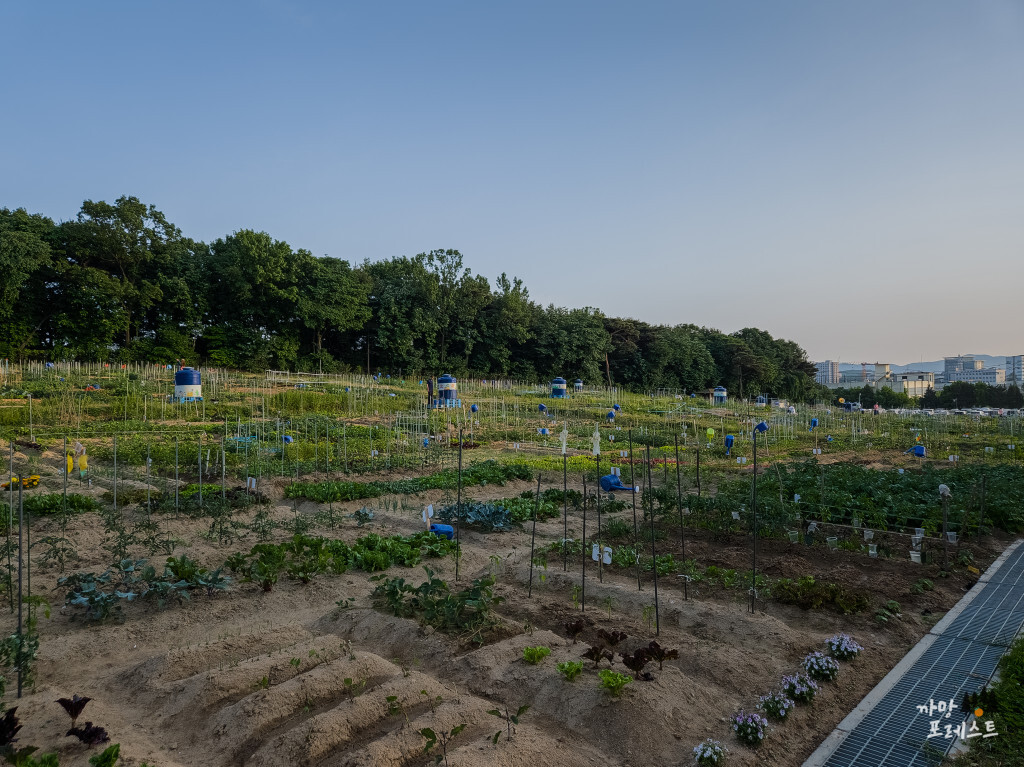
184	686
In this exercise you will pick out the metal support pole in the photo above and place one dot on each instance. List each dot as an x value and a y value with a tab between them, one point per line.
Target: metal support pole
654	556
600	545
753	569
533	535
583	601
682	530
565	515
458	514
632	490
21	526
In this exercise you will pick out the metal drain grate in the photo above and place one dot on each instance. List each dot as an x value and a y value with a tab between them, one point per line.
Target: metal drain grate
962	659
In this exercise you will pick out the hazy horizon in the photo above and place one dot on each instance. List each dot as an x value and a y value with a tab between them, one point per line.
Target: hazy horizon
845	176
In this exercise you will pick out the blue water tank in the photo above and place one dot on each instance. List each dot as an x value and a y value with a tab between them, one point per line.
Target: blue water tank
558	388
188	385
578	384
447	391
720	395
447	387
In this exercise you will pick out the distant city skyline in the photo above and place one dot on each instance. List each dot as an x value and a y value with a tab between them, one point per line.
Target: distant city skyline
847	176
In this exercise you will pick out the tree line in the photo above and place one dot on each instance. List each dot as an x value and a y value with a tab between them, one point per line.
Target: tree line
959	394
120	282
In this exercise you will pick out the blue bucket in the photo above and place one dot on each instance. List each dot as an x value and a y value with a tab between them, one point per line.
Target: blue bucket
446	531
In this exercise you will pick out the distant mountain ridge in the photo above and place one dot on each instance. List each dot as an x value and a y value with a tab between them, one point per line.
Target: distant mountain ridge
933	366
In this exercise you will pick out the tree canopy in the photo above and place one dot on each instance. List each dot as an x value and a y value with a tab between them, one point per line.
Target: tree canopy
120	282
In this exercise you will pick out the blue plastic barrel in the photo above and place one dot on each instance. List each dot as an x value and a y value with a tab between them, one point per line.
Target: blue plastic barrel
558	388
474	408
446	531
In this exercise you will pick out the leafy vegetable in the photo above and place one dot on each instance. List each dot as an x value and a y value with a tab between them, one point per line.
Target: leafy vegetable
534	655
91	735
570	669
613	681
9	726
74	706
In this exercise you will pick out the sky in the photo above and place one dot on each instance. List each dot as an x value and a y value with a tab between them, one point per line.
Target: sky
846	175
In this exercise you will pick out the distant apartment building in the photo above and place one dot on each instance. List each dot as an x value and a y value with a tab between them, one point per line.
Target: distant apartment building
913	383
969	370
960	364
828	372
1015	369
990	376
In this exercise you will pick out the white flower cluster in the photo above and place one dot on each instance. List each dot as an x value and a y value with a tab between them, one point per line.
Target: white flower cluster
843	647
821	667
709	753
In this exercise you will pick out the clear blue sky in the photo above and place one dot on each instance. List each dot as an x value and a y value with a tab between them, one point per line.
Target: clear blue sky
848	175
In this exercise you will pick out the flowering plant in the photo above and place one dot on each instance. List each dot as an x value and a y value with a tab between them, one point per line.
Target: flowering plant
749	728
821	667
800	687
842	647
776	705
709	753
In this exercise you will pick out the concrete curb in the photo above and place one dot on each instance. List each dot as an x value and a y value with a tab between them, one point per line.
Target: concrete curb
838	735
